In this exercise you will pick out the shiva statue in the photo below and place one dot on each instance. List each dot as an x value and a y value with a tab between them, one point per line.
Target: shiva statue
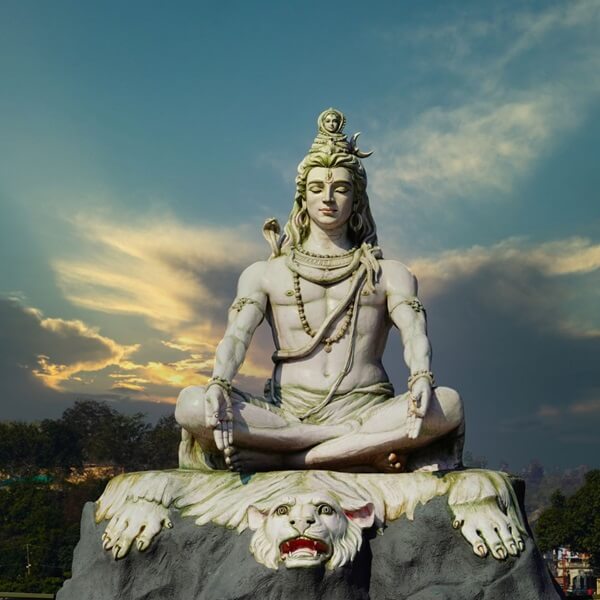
330	299
330	449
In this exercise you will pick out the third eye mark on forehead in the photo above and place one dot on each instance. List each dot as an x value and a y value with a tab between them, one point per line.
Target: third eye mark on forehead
341	177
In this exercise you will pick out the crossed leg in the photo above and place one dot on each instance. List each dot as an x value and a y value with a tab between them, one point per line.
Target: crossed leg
265	441
253	426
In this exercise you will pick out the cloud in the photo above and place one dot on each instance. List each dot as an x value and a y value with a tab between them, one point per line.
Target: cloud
462	151
553	284
56	350
164	379
45	362
516	330
587	407
172	275
505	112
179	278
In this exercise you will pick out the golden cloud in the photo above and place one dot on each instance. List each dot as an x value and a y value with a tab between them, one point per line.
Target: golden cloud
169	273
94	352
179	278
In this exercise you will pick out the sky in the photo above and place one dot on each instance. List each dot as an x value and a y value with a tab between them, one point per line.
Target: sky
143	144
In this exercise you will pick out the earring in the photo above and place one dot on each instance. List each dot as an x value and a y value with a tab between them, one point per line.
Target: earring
356	222
302	218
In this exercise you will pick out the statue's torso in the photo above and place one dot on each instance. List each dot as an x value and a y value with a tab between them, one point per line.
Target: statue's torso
320	368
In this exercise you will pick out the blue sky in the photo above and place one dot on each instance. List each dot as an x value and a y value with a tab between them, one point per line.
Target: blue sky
144	143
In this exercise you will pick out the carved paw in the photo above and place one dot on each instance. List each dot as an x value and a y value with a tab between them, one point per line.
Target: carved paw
488	529
138	521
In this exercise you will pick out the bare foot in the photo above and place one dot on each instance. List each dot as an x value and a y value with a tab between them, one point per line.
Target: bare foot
391	463
242	460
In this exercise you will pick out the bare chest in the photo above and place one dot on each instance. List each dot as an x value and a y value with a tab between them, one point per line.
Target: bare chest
290	296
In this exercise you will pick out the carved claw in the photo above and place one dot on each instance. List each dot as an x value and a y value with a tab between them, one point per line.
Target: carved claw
482	522
137	522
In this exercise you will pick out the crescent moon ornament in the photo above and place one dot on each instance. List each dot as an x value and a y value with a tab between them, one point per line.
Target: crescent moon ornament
354	147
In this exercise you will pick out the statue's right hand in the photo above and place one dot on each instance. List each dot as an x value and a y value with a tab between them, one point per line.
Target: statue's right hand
219	416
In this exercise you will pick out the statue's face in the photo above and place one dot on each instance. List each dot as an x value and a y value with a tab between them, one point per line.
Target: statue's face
331	122
329	196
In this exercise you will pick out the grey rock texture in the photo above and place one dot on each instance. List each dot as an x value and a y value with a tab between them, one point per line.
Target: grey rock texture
424	559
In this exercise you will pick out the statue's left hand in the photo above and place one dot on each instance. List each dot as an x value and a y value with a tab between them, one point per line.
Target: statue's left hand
418	403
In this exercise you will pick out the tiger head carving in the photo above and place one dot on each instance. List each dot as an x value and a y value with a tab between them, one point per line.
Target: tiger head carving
307	530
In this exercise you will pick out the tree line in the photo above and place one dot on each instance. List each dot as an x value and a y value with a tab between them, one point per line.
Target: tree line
88	432
40	516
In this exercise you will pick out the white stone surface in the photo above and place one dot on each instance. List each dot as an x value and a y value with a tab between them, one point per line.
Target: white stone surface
330	300
328	507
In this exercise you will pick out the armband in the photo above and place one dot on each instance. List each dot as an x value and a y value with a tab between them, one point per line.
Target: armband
415	304
241	302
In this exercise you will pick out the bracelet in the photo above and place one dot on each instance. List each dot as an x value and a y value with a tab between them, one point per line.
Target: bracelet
419	375
224	384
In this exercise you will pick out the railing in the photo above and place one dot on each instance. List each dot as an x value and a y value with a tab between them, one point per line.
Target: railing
24	595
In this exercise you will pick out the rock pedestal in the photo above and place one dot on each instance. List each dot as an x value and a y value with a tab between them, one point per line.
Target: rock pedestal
423	559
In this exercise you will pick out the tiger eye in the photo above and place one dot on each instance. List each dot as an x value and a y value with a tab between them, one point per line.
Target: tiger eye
325	509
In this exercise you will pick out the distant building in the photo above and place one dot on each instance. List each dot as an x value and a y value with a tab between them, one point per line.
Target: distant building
572	571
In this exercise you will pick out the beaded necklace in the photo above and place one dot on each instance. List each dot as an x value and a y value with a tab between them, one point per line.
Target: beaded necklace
332	339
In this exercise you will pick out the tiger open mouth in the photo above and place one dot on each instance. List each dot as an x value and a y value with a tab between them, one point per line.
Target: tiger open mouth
303	547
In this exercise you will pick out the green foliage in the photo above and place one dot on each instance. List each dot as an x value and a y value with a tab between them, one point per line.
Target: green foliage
551	528
88	432
573	521
105	435
42	521
42	514
163	442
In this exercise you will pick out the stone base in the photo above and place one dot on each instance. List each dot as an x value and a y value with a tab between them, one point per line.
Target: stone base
424	559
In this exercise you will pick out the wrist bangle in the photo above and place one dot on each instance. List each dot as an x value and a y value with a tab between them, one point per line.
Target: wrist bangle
419	375
224	384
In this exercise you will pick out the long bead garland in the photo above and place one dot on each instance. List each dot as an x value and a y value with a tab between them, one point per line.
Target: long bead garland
332	339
